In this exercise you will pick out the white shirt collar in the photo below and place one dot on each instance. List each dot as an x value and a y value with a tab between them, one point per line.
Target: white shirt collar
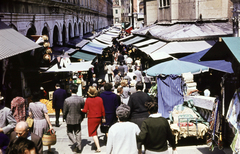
155	115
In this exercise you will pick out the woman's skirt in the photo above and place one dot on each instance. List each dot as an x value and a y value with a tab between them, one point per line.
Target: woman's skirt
93	124
40	126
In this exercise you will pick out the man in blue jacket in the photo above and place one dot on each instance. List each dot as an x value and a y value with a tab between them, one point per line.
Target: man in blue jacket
59	96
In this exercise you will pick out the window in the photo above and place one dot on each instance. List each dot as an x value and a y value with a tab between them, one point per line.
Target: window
163	3
116	20
117	2
116	11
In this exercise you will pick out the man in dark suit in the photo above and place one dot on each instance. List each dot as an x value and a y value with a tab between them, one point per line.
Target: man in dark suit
73	116
59	96
93	80
22	130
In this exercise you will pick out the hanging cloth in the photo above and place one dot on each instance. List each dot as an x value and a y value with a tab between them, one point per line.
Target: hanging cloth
170	93
233	114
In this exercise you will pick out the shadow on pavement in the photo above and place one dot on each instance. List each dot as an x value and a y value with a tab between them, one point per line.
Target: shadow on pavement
191	141
85	142
206	151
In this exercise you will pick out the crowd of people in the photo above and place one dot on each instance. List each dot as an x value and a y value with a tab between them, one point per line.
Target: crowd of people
119	103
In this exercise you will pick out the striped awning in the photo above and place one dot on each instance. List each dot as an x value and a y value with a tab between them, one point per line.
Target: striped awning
82	43
83	55
13	43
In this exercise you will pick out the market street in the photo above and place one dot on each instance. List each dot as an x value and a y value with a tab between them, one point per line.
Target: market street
63	145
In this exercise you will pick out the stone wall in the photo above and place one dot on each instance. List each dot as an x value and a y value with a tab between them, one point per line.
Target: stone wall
71	19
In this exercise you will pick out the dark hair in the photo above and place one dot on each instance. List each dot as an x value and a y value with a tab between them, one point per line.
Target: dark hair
139	85
19	145
57	85
108	86
36	96
119	89
74	89
130	70
152	107
143	73
134	77
116	84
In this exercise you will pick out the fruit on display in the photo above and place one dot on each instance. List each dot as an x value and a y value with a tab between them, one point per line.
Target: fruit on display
48	104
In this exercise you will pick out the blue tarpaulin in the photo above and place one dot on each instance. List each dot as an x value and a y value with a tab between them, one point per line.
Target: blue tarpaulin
170	93
220	65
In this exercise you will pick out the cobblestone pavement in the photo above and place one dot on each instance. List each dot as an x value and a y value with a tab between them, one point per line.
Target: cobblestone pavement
63	145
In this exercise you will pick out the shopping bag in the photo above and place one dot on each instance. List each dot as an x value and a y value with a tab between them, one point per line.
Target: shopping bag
49	138
29	121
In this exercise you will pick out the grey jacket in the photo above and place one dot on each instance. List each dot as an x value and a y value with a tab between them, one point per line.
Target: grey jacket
7	121
72	109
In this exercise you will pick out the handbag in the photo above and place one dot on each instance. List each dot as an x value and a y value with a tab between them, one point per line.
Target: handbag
104	128
29	121
49	138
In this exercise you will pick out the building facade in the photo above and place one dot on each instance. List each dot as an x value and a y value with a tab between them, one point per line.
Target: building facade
172	11
236	17
61	20
117	12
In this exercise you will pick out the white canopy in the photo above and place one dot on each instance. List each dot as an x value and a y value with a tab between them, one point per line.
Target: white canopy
143	43
73	67
184	47
160	55
153	47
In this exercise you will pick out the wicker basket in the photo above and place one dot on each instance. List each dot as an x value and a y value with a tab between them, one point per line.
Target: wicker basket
49	138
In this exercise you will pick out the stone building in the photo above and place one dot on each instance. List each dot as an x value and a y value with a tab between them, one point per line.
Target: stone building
117	12
172	11
61	20
235	17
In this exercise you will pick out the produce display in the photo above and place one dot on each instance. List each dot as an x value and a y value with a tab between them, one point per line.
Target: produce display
48	104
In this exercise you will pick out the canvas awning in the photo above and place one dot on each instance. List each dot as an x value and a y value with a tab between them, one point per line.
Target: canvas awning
82	43
143	43
112	34
134	40
185	47
94	48
224	49
13	43
126	38
73	67
101	42
151	48
83	55
160	56
220	65
107	39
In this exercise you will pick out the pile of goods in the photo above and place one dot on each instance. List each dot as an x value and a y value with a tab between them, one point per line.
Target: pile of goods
48	104
185	121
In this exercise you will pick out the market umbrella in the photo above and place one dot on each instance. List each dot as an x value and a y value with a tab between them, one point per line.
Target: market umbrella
176	67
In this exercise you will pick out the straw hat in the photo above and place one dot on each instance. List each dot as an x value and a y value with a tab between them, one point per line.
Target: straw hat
92	91
124	83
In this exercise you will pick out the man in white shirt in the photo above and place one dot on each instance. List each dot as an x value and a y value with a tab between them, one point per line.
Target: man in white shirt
129	62
130	74
109	69
122	135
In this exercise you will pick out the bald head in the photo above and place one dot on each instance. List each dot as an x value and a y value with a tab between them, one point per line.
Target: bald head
22	129
22	124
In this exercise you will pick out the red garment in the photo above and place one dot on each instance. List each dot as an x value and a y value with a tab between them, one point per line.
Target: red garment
94	107
18	109
93	124
95	110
